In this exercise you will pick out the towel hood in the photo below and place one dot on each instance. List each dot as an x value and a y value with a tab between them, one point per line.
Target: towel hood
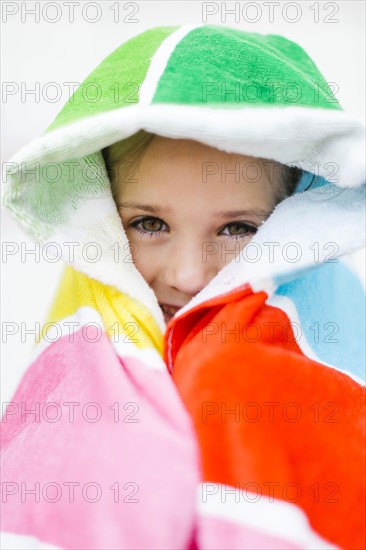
246	93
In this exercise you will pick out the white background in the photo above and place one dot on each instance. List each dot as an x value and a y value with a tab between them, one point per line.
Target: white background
33	52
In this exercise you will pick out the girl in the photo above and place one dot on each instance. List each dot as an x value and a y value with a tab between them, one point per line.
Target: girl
172	173
201	387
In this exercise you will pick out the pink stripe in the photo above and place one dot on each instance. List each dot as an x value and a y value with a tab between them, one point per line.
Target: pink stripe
147	454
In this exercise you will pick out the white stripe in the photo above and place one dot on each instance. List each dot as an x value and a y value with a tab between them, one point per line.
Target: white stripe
275	517
327	135
68	326
160	61
13	541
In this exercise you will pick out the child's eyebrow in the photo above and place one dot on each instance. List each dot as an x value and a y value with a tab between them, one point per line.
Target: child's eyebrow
147	207
258	212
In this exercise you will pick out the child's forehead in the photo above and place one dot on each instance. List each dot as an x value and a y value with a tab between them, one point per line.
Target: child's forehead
175	150
187	169
172	181
176	159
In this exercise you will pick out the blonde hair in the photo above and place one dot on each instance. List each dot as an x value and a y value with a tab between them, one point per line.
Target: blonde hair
130	149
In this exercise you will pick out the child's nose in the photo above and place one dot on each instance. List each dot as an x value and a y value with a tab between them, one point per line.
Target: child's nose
186	270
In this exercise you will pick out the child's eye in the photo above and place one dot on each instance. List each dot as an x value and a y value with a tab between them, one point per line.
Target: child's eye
148	225
153	227
240	229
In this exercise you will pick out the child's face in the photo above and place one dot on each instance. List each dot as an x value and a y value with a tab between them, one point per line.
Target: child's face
186	215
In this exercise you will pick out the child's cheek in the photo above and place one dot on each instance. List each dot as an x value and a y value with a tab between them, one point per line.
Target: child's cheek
144	258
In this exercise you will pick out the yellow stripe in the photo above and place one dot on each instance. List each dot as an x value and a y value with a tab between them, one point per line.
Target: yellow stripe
121	314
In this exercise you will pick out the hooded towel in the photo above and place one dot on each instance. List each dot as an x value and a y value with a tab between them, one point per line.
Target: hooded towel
125	433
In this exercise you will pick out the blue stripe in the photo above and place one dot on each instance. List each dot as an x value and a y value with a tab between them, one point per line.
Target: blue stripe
330	302
311	181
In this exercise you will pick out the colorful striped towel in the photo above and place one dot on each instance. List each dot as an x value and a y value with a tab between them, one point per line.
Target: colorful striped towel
240	424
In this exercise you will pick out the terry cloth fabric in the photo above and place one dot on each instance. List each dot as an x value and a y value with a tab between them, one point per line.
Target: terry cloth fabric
184	436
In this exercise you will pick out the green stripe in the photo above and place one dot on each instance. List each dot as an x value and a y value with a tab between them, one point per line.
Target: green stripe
116	82
228	68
